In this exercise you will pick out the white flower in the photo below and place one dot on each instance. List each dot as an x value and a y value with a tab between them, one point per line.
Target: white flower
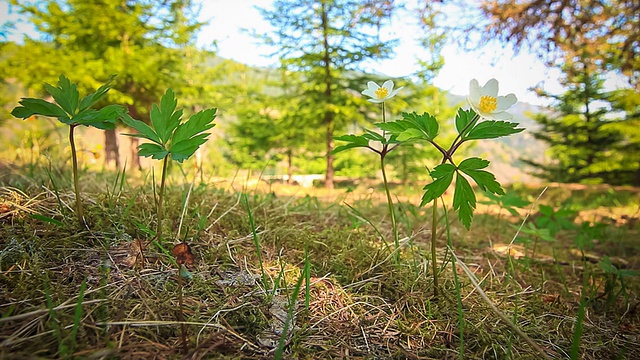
486	102
379	94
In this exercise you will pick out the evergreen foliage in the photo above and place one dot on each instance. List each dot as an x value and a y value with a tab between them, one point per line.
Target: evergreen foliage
593	134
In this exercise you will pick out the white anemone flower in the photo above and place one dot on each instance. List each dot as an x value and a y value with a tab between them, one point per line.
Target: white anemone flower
380	94
486	102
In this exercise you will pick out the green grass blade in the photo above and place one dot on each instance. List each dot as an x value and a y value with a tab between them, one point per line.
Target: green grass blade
256	240
77	315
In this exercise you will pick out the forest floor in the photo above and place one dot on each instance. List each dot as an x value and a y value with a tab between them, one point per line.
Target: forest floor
285	271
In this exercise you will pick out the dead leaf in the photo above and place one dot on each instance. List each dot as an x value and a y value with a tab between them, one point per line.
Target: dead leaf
183	254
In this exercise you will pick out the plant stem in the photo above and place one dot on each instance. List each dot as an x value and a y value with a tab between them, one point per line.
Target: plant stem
458	140
434	266
74	165
183	328
392	211
161	198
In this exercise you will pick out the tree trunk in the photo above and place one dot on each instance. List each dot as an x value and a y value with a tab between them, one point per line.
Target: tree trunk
111	150
289	166
328	115
135	158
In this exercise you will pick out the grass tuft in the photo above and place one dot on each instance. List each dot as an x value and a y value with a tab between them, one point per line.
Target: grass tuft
353	299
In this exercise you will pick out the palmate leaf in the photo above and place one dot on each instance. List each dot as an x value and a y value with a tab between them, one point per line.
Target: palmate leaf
185	148
164	118
154	151
144	130
442	175
485	180
463	118
188	136
425	122
66	94
374	136
197	123
393	127
412	126
464	200
30	107
94	97
66	110
509	201
353	141
492	129
104	118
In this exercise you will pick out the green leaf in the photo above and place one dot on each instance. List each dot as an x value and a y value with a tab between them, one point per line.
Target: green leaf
353	141
410	134
393	127
485	180
32	107
442	175
94	97
164	118
47	219
607	266
426	123
183	150
189	136
154	150
463	118
196	124
464	201
145	131
492	129
374	136
509	201
66	94
104	118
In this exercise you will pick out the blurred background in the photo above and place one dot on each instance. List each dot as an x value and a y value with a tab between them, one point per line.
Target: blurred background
286	77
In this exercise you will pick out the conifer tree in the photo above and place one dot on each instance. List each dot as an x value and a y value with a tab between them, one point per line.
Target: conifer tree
148	44
323	40
583	130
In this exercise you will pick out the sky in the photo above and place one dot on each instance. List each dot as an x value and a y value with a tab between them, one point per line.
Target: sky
515	73
228	20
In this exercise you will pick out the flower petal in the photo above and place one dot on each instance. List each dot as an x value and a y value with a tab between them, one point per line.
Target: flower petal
474	92
473	105
503	115
388	85
505	102
395	92
369	93
490	88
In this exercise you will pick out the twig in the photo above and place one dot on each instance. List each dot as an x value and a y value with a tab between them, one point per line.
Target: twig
495	309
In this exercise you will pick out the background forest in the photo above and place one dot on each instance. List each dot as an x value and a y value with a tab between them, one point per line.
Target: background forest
281	120
264	239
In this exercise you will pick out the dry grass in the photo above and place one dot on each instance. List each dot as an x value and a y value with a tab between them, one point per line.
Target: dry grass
361	303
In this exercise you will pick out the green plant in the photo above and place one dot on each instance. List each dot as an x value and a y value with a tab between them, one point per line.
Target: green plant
73	111
485	104
533	233
556	220
378	94
256	240
170	138
613	277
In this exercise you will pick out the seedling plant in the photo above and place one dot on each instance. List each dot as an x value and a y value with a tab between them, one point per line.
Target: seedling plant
485	119
170	139
73	111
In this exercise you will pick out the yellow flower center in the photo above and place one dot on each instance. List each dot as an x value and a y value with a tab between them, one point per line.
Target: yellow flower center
381	92
488	104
